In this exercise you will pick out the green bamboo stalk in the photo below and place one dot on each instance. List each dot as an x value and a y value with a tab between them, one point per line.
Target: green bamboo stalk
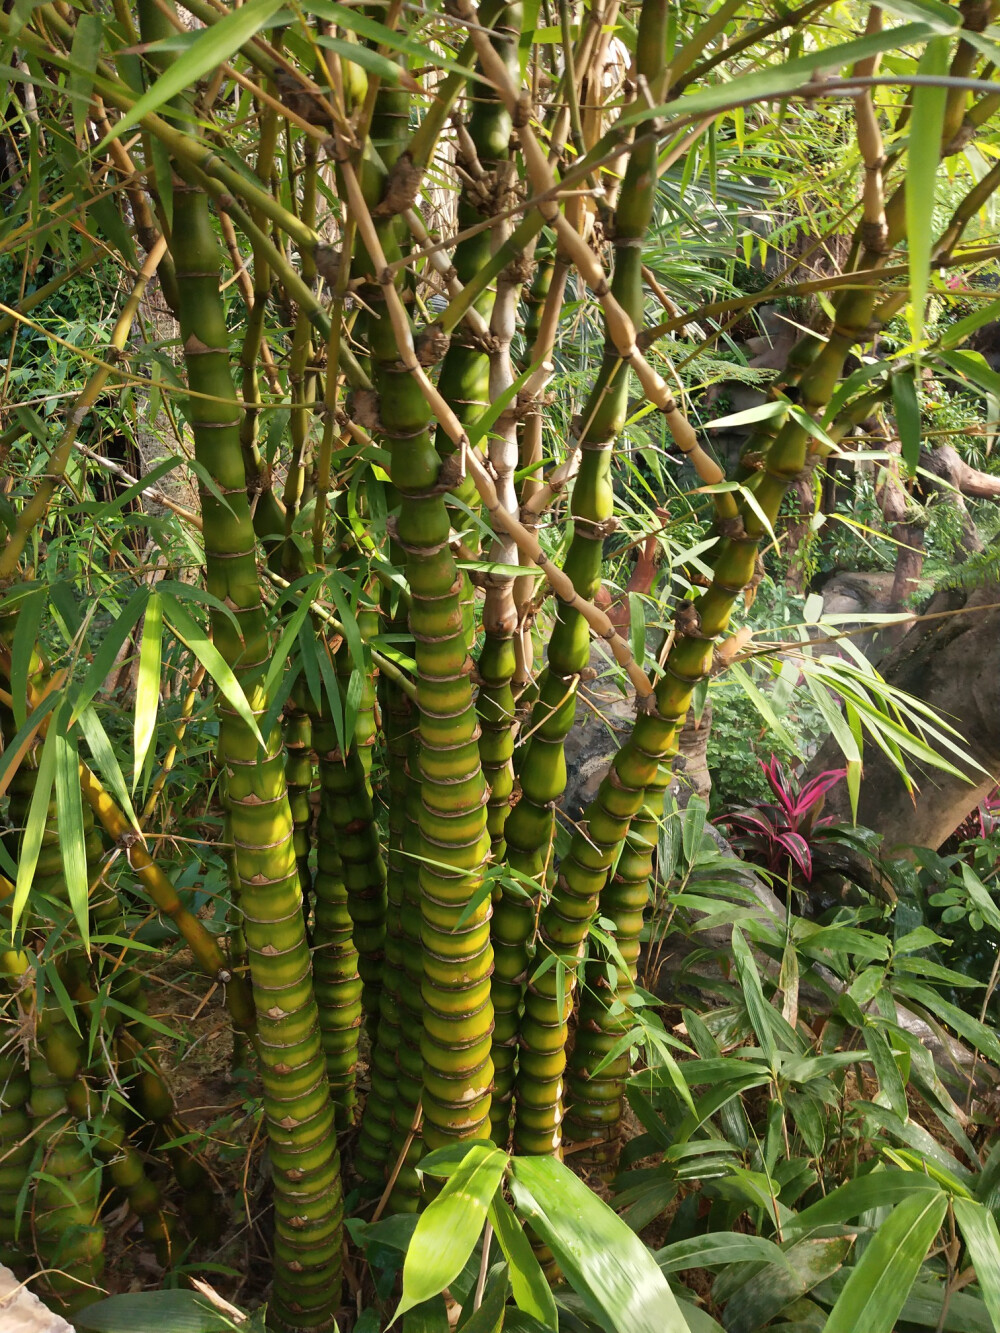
566	917
335	955
354	833
297	1107
497	660
530	826
595	1099
457	959
372	1152
17	1148
297	735
67	1235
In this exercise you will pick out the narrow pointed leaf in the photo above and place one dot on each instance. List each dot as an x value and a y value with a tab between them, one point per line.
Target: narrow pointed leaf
147	692
907	410
923	160
69	822
753	996
212	47
34	831
532	1293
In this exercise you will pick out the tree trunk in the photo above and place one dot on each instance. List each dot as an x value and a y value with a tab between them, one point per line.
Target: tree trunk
951	664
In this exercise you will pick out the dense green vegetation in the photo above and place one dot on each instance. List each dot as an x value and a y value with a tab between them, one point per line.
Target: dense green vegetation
460	464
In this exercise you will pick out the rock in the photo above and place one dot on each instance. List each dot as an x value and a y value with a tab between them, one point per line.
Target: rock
22	1312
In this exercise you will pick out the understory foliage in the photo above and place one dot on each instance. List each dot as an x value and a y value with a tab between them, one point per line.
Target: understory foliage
365	444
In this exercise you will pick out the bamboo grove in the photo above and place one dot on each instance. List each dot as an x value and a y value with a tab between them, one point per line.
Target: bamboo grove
367	225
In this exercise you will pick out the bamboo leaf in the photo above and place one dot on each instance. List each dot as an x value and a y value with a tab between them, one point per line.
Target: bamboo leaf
23	648
378	34
942	18
449	1227
758	1009
907	412
106	761
34	830
104	658
878	1189
982	1240
532	1293
153	1312
194	637
785	78
72	836
922	164
84	54
878	1286
887	1071
603	1260
147	690
212	48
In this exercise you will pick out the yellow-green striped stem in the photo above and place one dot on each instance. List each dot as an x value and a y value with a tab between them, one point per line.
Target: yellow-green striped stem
530	829
335	955
297	1105
567	915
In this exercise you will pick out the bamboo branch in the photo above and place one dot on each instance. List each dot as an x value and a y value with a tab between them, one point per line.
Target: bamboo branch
527	544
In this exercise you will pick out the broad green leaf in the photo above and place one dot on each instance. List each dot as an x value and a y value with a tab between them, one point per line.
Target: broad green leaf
72	835
922	163
359	54
532	1292
427	1317
153	1312
717	1249
489	1317
880	1188
147	690
450	1226
907	411
982	1240
956	333
602	1259
84	54
758	1009
212	48
805	1265
877	1288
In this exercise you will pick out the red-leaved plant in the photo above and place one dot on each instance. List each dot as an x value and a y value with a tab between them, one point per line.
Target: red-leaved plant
777	835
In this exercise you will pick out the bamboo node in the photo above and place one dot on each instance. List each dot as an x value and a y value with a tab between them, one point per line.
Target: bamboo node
731	528
521	115
875	236
432	344
193	346
275	1013
223	976
401	188
327	261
